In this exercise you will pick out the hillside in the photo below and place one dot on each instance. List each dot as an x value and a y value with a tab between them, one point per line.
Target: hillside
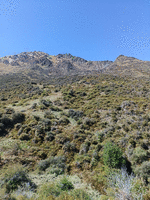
124	65
74	129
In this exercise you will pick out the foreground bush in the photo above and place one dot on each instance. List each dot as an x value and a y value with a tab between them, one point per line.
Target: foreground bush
77	194
113	156
65	184
143	171
48	190
57	164
123	185
20	178
53	190
139	155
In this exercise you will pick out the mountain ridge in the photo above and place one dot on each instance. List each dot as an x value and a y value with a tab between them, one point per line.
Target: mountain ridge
37	62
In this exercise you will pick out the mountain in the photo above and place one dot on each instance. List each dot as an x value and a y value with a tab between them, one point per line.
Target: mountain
39	62
40	65
131	66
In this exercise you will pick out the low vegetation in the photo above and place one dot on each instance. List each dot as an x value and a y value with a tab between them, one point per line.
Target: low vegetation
86	138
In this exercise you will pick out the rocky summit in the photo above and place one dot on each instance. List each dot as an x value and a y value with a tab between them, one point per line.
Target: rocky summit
60	65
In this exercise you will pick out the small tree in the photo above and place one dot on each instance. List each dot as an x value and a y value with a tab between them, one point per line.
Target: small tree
65	184
112	155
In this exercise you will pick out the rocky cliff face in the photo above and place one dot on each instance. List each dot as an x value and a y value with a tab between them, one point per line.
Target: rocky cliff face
40	64
60	65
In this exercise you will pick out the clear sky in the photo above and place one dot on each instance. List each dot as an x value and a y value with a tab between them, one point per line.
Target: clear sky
91	29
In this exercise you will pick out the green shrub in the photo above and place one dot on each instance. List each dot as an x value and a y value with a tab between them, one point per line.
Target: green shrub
75	114
65	184
53	162
52	191
56	170
84	148
48	189
69	147
143	171
78	194
64	121
18	179
18	117
139	155
99	136
8	123
113	156
44	164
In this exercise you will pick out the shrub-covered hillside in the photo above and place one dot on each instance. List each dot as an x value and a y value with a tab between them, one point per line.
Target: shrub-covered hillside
80	138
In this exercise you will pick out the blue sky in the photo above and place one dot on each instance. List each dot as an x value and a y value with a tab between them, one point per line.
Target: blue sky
91	29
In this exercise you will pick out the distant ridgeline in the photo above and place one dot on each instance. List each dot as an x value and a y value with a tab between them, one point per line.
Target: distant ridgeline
35	64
